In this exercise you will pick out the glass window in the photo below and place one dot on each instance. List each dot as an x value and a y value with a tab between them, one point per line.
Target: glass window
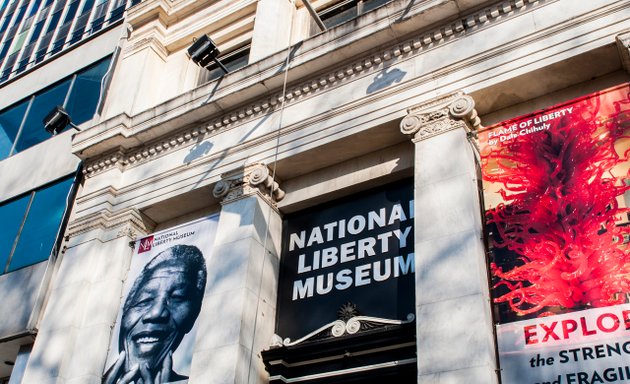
32	31
8	16
20	15
34	7
42	222
33	131
28	50
339	13
82	20
369	5
80	101
9	66
86	92
62	34
117	11
10	121
72	10
50	31
12	214
232	61
99	15
5	49
345	10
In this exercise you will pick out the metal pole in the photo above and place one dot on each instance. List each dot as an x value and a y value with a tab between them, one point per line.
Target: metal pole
221	65
314	15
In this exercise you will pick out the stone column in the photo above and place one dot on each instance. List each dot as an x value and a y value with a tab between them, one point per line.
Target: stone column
75	330
455	337
238	314
271	37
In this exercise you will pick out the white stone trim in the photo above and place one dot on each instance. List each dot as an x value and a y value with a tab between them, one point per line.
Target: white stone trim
339	328
623	45
130	222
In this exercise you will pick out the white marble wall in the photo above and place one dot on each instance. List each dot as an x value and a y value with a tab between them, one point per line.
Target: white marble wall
21	291
75	330
238	314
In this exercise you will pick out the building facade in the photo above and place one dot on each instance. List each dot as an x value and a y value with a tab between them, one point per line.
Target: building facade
51	53
331	180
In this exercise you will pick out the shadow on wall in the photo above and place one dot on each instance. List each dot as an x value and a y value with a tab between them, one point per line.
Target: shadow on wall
198	150
384	79
214	90
406	11
205	150
292	54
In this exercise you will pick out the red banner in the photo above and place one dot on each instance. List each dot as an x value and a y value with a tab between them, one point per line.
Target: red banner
556	191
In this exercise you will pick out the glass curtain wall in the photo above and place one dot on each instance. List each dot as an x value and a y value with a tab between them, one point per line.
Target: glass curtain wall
33	30
21	125
30	225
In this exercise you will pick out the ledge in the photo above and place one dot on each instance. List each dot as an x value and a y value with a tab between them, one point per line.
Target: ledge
255	83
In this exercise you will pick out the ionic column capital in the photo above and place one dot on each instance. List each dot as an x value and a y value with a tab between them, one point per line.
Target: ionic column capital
440	115
253	179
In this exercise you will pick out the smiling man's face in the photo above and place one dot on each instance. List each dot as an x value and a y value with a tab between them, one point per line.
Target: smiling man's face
158	316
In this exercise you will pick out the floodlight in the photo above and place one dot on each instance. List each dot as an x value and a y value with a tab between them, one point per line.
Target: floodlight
203	51
57	120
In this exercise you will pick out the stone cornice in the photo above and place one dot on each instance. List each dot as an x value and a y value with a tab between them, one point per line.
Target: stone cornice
130	222
152	38
362	67
178	15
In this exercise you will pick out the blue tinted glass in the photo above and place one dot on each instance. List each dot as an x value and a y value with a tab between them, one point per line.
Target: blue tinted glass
54	20
36	31
116	13
12	215
33	131
72	10
81	21
34	7
41	225
338	15
20	14
99	15
10	120
5	48
369	5
8	16
85	93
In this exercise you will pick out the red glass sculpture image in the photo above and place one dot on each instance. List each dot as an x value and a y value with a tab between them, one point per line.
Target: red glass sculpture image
555	208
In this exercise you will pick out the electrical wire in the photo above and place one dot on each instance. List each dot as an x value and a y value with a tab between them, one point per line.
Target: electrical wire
273	185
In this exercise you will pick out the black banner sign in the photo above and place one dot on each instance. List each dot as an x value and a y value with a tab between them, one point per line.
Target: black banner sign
357	250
